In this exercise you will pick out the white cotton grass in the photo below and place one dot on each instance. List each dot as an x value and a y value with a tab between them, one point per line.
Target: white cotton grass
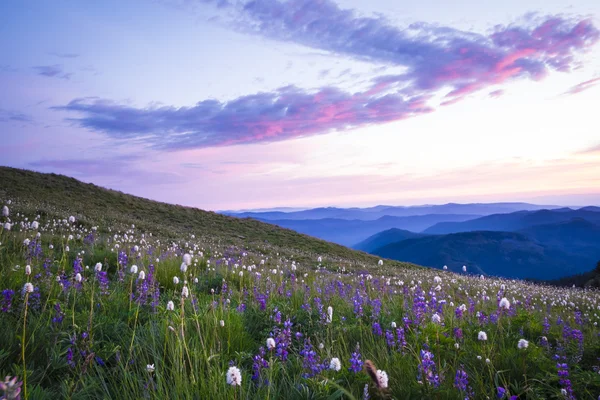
270	343
78	278
329	314
380	262
382	379
28	287
150	368
28	269
175	280
234	376
482	336
185	292
142	275
187	259
98	267
522	344
183	267
504	303
170	306
71	219
5	211
335	364
133	269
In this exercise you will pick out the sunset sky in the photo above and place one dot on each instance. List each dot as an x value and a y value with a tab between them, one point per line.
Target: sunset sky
226	104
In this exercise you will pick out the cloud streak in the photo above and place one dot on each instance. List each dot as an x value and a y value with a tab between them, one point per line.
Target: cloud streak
52	71
436	59
580	87
14	116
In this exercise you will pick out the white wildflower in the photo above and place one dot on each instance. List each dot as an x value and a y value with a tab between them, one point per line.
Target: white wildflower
335	364
234	376
382	379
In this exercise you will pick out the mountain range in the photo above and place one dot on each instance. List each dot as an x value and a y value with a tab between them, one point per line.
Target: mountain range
376	212
543	252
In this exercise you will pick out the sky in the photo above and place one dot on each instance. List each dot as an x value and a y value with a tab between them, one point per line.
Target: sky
236	104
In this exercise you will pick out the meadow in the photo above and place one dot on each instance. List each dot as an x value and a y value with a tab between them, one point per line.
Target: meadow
102	308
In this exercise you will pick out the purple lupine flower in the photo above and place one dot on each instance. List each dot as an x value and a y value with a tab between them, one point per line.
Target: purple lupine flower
564	381
401	335
70	361
6	300
546	325
310	360
427	370
389	338
59	315
259	363
458	333
356	363
461	382
284	340
500	392
377	329
77	266
122	259
102	277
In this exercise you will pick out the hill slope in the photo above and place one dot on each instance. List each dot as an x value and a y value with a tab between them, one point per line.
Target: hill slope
58	195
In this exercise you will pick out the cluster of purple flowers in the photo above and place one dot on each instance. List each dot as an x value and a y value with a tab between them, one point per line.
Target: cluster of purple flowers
427	369
356	363
6	300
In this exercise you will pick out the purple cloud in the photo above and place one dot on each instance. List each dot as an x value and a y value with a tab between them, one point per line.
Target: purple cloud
14	116
264	117
580	87
64	55
436	58
52	71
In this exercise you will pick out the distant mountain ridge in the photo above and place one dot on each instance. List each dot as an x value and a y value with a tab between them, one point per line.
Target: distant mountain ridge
373	213
516	221
384	238
542	252
350	232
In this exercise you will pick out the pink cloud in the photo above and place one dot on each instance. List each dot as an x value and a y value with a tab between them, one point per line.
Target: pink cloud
580	87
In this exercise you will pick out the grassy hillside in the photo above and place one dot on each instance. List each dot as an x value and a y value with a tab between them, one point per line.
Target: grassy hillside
57	195
93	307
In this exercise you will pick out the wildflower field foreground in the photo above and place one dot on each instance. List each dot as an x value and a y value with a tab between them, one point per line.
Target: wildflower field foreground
100	308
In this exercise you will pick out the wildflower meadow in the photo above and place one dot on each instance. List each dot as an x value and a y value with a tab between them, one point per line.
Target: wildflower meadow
114	311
